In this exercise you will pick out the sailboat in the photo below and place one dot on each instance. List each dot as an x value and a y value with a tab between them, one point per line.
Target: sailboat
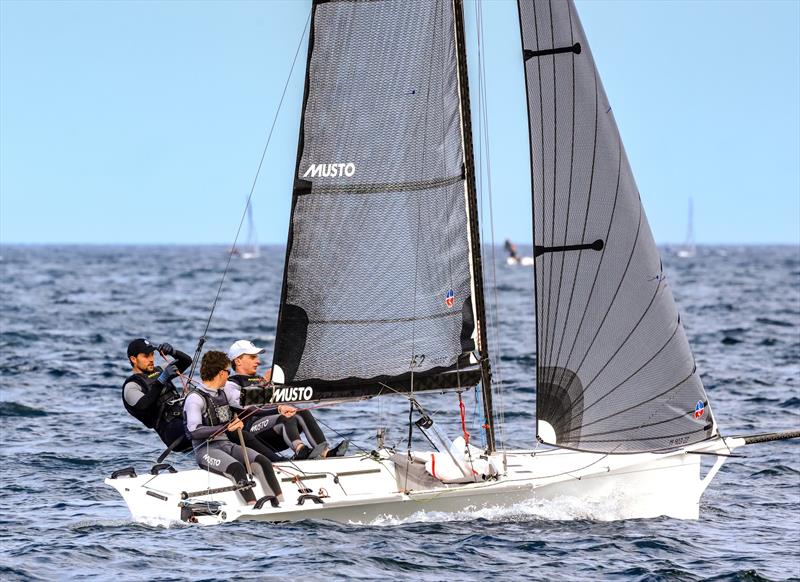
513	259
250	248
383	291
688	250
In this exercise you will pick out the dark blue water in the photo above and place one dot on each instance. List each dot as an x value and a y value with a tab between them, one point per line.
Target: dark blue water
68	313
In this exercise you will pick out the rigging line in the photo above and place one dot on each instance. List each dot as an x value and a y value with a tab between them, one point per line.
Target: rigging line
603	456
410	437
341	436
554	363
480	169
597	271
486	143
249	197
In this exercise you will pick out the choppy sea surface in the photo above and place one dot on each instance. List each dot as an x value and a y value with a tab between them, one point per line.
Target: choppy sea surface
68	312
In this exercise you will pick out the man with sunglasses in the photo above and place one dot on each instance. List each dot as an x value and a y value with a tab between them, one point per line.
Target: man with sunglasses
209	412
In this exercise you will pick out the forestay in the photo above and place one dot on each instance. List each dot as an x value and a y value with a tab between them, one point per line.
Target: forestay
378	281
614	369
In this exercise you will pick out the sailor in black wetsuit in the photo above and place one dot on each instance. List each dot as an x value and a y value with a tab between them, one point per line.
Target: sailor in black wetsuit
208	416
149	394
278	427
511	249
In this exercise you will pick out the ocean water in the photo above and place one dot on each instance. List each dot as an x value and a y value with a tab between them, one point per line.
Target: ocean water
68	312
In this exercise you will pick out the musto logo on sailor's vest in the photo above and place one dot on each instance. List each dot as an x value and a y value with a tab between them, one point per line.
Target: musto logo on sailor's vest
330	170
292	394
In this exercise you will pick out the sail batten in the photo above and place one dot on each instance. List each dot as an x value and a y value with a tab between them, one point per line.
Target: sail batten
612	355
379	282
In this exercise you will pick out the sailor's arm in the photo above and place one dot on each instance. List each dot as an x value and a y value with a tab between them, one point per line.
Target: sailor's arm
136	397
193	408
234	393
181	361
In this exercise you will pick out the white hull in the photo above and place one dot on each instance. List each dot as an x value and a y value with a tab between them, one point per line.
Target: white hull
643	485
522	261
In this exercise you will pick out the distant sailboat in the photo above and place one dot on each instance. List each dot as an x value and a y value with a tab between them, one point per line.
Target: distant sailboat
513	258
688	250
251	250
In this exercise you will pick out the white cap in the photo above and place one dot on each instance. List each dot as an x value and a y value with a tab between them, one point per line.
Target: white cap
241	347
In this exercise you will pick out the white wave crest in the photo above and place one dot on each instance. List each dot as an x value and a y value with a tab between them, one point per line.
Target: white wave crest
609	508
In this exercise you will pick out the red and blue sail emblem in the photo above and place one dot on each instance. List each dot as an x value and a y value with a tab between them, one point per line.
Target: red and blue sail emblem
450	298
699	409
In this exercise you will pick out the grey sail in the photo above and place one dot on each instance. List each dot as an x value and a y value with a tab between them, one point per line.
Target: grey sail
615	372
378	290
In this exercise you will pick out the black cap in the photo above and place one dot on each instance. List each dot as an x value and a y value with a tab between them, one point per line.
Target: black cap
140	346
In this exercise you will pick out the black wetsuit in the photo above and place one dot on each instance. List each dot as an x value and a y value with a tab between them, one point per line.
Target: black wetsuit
207	412
158	405
275	430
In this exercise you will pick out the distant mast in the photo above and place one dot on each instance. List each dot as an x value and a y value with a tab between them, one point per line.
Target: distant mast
250	246
688	250
251	243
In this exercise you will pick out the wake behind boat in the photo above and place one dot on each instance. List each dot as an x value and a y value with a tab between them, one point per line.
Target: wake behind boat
385	183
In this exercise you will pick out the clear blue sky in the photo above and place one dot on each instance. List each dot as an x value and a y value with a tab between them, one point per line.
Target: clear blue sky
143	122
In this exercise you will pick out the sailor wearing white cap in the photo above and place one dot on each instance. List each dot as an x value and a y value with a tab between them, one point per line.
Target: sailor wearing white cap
243	355
279	428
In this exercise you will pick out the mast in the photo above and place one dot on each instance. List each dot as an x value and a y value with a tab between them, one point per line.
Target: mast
472	209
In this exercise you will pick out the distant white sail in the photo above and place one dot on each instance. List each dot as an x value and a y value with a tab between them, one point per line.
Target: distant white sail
688	250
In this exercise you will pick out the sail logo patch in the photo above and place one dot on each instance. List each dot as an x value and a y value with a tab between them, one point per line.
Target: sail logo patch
292	394
450	298
699	409
330	170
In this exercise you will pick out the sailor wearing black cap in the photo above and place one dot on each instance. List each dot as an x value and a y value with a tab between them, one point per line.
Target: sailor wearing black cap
149	394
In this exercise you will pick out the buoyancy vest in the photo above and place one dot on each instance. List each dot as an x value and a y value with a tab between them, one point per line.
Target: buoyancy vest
217	409
246	381
167	406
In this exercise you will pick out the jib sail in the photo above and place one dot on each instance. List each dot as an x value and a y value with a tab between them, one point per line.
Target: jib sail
614	369
378	291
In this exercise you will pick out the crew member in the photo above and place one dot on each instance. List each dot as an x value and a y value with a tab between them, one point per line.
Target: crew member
149	394
278	427
511	249
208	415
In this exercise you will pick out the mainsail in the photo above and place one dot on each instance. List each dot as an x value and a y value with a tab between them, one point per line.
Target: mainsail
614	369
381	272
